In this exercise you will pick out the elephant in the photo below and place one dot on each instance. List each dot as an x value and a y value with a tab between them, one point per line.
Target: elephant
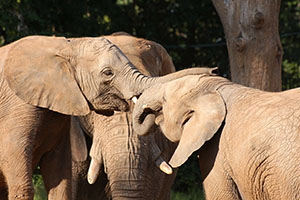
43	81
116	148
248	139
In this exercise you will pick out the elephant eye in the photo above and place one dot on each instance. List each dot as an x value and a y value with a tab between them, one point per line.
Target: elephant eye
108	72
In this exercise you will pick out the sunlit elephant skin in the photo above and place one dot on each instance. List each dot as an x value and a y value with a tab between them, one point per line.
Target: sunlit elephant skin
39	88
254	155
128	160
43	80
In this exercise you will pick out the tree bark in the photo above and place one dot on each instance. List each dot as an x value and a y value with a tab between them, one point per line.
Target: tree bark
253	42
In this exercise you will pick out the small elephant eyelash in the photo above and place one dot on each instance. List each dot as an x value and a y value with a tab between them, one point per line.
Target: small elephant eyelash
108	72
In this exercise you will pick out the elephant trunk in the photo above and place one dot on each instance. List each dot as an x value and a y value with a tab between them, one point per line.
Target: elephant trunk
145	108
141	82
131	184
126	172
126	158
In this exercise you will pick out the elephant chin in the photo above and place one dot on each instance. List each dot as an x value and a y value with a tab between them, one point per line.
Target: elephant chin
121	105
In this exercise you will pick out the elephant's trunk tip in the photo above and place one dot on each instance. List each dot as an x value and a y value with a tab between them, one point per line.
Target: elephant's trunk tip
214	69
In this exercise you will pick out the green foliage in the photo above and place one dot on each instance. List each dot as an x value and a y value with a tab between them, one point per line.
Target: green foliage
291	72
188	176
39	188
192	194
290	39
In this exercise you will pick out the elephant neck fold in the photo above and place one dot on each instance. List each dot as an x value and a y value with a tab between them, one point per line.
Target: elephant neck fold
233	93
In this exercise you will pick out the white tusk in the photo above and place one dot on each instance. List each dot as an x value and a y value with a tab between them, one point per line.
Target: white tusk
93	172
134	99
145	106
165	168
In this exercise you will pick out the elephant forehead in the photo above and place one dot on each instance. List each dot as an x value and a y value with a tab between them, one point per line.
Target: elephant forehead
182	88
113	56
95	44
101	42
93	47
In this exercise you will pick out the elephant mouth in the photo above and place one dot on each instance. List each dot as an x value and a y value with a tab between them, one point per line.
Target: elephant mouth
109	105
121	105
105	112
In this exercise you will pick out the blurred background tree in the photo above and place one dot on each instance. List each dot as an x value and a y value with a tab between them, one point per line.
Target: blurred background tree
253	42
190	30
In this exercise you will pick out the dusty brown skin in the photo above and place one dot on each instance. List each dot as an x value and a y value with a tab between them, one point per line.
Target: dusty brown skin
254	155
44	79
128	160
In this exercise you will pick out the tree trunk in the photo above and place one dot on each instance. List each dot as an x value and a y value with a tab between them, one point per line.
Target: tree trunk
253	43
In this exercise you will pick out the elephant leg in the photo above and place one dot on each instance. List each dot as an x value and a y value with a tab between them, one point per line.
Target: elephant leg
218	185
56	169
19	174
17	161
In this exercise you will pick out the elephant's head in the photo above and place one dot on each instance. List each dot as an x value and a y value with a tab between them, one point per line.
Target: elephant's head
188	110
129	161
74	76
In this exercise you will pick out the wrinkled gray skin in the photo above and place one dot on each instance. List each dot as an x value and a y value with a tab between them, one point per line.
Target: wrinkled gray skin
42	81
127	168
255	153
127	161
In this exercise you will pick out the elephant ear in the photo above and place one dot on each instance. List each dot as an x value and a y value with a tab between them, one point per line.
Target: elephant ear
78	142
205	121
38	70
